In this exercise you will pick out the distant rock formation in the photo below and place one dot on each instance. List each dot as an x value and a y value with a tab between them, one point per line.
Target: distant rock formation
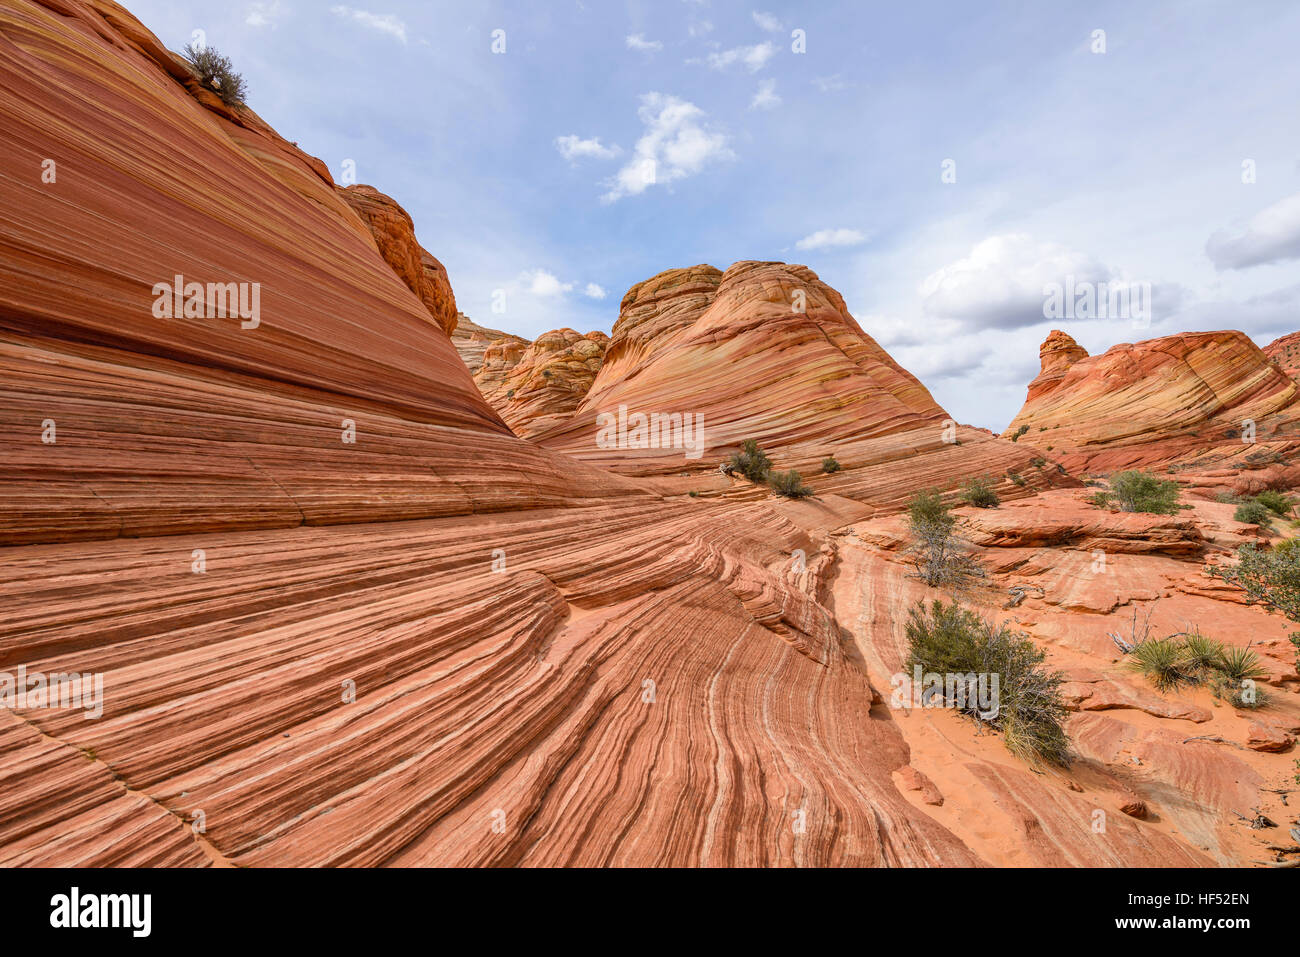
1209	406
1285	351
472	341
768	351
537	385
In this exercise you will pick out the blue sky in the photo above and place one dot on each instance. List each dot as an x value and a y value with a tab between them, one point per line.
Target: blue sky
525	171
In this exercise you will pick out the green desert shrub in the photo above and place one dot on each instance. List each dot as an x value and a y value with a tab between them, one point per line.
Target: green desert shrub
1016	478
830	466
927	507
1100	498
1235	676
1202	654
980	493
1289	547
949	640
1275	502
1230	672
1240	664
217	73
1253	513
1138	491
1015	436
751	462
941	558
788	484
1164	662
1271	577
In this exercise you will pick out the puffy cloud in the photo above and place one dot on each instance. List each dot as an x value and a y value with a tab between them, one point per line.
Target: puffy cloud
825	238
676	144
1000	284
767	21
638	41
539	282
1272	235
765	98
382	22
594	292
573	147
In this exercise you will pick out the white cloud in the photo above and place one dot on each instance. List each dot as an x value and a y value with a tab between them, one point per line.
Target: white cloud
825	238
539	282
638	42
752	58
765	98
675	145
1272	235
768	22
264	14
594	292
383	22
1000	283
829	84
573	147
697	28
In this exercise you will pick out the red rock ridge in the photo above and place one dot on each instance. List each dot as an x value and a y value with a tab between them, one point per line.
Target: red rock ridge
1183	402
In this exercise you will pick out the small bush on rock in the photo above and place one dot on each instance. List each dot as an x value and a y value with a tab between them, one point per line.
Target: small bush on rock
789	484
1138	491
950	640
1253	513
217	73
980	493
751	462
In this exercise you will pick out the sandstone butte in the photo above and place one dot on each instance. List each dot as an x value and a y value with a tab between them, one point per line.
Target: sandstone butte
539	384
1210	408
348	617
473	341
767	351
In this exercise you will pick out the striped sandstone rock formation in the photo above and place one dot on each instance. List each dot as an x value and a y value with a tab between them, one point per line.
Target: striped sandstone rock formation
1209	406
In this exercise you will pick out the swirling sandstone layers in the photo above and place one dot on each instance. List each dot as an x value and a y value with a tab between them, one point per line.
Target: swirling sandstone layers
436	644
409	639
1186	402
768	351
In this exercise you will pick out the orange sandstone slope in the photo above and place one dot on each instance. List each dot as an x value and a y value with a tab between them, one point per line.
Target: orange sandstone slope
1186	403
768	351
541	384
339	610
